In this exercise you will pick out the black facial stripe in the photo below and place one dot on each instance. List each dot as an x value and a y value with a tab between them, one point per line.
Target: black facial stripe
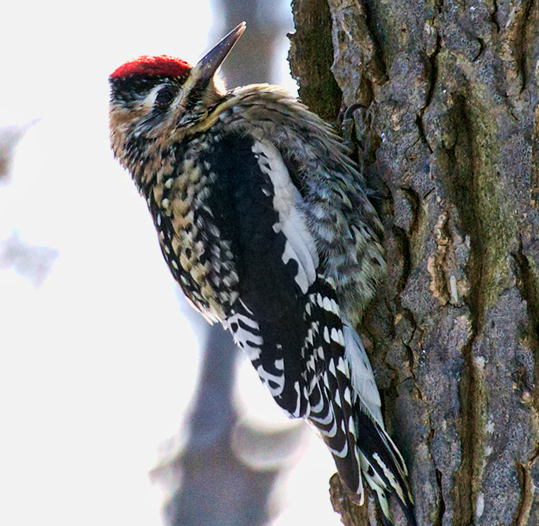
136	87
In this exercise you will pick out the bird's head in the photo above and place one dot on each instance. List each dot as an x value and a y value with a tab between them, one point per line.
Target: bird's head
164	96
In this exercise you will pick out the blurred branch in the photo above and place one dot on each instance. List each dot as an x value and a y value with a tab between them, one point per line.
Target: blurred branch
219	486
253	56
31	262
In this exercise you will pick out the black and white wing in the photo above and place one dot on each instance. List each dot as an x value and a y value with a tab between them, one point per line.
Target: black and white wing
287	319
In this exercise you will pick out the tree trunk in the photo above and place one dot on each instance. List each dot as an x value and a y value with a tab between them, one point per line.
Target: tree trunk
448	135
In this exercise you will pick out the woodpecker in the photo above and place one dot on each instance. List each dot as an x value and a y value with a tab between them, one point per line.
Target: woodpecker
266	224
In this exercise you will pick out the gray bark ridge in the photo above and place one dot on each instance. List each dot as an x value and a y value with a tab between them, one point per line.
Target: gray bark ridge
449	132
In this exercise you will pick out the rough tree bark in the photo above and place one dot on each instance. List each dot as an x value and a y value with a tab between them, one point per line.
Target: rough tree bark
448	129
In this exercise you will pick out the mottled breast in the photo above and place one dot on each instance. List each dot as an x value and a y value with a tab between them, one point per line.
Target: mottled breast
197	251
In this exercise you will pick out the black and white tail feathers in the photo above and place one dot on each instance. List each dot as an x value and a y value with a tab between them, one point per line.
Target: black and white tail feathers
350	420
332	386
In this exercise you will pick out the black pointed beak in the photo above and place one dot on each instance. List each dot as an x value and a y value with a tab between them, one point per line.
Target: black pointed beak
209	64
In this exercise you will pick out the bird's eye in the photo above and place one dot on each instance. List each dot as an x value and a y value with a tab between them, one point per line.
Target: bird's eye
165	96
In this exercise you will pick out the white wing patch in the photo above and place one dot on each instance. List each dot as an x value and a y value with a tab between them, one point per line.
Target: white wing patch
300	245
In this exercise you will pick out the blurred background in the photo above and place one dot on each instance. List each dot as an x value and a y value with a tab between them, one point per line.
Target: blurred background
118	404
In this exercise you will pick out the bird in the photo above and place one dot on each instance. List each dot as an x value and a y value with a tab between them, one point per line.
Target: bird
267	226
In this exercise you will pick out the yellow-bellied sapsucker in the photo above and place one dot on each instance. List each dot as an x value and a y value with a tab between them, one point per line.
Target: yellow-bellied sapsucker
266	225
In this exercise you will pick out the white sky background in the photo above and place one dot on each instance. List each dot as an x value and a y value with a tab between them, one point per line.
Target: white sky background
97	365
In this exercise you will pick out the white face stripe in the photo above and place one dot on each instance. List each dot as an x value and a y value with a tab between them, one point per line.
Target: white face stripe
149	100
176	104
